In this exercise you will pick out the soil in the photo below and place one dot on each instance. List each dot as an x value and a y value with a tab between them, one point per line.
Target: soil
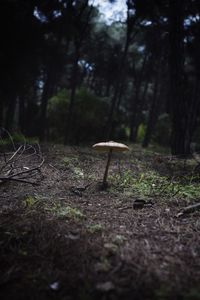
67	238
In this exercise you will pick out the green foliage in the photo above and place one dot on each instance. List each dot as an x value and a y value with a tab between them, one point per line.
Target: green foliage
196	138
20	138
94	228
70	212
70	161
78	172
150	184
141	133
57	112
162	130
88	119
119	239
165	292
61	211
162	293
52	207
193	294
90	115
17	138
73	164
116	33
30	201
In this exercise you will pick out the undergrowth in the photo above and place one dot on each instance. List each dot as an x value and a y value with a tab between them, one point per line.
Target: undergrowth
33	203
150	184
17	138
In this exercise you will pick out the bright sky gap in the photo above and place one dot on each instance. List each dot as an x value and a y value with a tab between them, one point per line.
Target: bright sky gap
111	12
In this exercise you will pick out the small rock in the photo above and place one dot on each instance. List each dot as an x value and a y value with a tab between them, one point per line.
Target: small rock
138	204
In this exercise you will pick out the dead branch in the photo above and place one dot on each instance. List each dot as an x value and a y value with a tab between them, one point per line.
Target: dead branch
16	164
188	209
3	179
7	161
37	168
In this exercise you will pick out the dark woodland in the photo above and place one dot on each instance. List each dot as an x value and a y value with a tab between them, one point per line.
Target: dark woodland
70	78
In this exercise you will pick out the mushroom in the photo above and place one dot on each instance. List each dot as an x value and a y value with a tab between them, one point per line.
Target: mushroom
110	147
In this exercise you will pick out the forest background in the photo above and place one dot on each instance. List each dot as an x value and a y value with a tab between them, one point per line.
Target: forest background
67	75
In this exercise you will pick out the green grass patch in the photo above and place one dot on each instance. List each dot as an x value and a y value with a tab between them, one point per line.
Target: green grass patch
150	184
30	202
70	212
94	228
18	138
70	161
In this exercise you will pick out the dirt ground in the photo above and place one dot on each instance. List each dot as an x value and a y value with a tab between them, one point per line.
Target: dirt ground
67	238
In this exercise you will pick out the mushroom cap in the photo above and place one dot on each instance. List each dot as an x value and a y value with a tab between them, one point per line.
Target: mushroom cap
105	146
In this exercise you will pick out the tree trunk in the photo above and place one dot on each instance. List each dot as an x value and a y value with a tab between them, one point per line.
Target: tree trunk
137	104
153	114
21	121
176	62
193	111
70	114
108	130
47	93
1	113
10	113
78	44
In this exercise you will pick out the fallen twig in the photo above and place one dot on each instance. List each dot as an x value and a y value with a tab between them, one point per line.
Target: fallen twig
13	167
3	179
28	171
188	209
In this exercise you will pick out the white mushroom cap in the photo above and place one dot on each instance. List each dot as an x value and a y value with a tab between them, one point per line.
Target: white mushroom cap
105	146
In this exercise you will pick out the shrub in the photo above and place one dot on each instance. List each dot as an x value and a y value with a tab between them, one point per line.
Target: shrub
162	130
57	112
88	119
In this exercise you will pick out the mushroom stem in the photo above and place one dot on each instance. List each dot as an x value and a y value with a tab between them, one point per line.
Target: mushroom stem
107	166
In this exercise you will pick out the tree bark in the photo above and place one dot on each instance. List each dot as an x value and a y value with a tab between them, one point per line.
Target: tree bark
47	93
1	113
78	41
21	121
137	103
153	114
70	114
176	63
10	113
108	131
193	111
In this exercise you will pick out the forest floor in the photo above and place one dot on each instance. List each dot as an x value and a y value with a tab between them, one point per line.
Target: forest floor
67	238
